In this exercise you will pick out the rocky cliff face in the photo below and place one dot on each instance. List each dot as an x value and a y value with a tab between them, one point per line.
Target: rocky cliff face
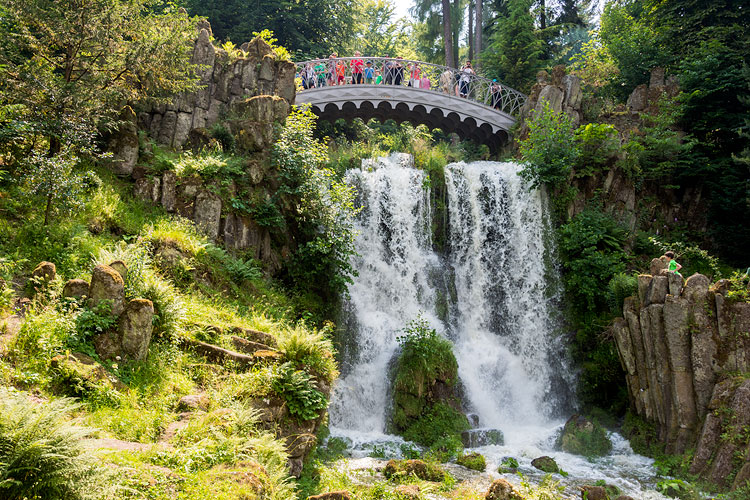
647	206
225	83
685	349
247	95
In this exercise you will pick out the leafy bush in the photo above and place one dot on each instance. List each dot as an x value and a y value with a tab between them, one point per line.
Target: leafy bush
592	249
297	389
598	145
98	319
324	208
550	151
621	286
42	456
508	465
691	257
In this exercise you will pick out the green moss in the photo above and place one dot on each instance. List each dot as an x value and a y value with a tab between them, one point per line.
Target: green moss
584	437
425	406
397	470
473	461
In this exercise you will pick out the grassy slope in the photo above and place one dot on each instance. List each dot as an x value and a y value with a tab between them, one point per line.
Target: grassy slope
199	292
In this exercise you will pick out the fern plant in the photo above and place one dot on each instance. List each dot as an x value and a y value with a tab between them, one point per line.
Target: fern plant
42	456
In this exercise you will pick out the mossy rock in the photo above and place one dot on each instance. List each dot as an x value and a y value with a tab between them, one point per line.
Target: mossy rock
473	461
582	436
396	469
546	464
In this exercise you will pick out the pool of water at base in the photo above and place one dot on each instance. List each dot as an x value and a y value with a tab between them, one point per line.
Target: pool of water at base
633	474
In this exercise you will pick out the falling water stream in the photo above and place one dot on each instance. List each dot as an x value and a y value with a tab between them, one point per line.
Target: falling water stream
493	292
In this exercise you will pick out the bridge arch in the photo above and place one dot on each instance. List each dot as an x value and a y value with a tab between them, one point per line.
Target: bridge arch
486	114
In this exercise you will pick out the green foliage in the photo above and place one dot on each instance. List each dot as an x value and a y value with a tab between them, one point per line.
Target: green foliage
692	258
632	43
514	50
508	465
439	427
53	180
43	456
324	209
308	29
473	461
311	350
550	151
591	245
739	287
598	144
589	440
677	488
621	286
91	321
297	388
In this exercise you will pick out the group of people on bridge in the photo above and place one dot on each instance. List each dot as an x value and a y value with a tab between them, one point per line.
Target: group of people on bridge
386	71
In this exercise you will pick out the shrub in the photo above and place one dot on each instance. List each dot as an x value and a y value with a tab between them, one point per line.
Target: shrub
42	456
550	151
508	465
598	145
89	322
620	287
296	388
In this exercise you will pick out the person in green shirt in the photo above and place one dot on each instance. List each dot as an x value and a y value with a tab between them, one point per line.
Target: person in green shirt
672	264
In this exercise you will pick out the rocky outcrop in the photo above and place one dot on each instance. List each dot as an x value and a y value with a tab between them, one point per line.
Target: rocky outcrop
678	345
582	436
225	81
650	206
123	143
545	464
132	337
77	289
107	285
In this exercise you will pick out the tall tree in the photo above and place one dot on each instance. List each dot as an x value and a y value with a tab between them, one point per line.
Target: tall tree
448	33
478	31
67	67
514	51
308	29
470	37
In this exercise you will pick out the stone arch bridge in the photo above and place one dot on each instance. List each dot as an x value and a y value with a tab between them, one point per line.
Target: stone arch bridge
417	92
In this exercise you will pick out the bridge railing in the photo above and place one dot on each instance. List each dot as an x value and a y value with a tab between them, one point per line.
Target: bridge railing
403	72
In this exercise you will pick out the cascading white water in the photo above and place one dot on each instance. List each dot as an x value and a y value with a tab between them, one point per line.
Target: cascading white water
499	281
394	265
509	357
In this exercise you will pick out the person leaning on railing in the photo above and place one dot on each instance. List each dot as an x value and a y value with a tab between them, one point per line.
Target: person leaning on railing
467	73
358	66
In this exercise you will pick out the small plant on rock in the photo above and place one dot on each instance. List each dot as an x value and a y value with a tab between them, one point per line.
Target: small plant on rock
473	461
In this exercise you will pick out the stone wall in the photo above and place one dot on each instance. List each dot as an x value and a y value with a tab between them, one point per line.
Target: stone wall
685	348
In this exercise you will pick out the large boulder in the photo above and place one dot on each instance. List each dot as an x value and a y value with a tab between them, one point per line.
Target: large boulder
581	436
44	272
76	289
423	470
123	143
107	284
589	492
132	337
501	489
546	464
135	328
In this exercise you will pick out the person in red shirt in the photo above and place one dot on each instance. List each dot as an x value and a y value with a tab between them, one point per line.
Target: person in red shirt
357	66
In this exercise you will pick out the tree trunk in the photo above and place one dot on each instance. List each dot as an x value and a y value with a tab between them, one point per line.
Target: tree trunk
478	34
471	30
447	32
543	16
456	26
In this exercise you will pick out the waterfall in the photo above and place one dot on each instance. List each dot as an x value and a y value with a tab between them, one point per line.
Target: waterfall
493	290
494	272
394	266
511	359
